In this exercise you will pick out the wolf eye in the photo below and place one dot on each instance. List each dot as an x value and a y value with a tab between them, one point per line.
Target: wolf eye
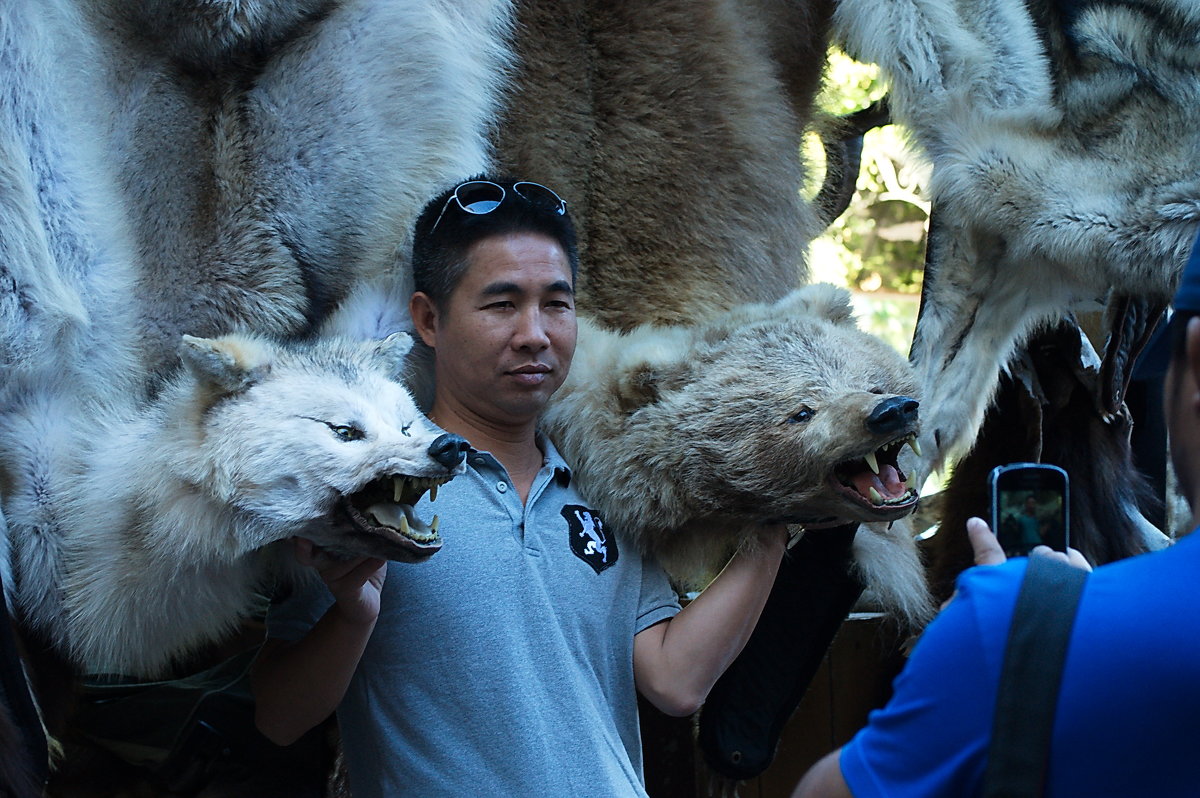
345	432
802	416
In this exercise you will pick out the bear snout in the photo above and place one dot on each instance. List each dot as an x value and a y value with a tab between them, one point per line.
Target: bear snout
892	415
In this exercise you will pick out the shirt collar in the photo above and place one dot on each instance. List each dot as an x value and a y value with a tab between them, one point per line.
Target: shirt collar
550	457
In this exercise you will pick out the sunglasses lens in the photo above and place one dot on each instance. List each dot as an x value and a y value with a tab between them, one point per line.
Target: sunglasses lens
542	197
479	197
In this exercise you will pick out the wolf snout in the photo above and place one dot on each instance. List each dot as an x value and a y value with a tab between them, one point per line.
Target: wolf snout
449	449
894	414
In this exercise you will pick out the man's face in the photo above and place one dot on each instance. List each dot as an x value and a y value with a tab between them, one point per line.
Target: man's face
505	338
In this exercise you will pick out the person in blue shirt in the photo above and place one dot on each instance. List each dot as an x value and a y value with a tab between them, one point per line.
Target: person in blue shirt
1125	722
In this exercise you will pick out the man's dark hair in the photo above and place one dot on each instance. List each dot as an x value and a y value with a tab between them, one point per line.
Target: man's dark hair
444	232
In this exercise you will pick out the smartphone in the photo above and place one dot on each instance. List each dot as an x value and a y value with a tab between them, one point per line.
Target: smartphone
1030	507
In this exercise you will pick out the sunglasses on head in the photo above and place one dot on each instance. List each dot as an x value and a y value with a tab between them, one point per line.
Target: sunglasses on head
478	197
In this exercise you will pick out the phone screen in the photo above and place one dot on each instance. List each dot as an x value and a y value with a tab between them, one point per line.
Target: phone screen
1029	507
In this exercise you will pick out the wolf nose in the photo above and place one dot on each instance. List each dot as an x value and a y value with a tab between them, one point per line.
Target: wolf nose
449	449
893	415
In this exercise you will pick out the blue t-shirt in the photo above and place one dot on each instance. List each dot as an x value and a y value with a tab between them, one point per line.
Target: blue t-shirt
1128	716
503	665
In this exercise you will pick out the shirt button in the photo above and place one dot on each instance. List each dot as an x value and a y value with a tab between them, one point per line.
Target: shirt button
502	486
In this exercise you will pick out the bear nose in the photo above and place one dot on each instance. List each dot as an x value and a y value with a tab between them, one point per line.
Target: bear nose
449	449
892	415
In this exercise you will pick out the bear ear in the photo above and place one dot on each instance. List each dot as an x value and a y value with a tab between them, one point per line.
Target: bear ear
645	383
825	300
231	363
392	352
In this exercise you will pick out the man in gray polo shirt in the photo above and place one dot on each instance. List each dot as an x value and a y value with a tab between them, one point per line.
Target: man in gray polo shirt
507	664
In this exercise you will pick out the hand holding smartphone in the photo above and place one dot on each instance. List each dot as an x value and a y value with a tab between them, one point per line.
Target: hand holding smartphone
1030	506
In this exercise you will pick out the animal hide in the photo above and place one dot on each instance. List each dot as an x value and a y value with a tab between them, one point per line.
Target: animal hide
674	129
196	168
1062	136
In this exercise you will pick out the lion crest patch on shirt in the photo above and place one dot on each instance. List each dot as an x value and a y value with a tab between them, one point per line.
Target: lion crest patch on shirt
590	541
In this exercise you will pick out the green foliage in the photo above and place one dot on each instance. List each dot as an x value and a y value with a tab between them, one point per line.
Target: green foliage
877	247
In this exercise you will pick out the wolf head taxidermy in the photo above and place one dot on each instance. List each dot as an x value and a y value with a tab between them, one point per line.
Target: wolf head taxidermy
175	501
1064	138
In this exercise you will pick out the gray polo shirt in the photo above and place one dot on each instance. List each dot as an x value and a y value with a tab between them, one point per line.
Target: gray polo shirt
503	665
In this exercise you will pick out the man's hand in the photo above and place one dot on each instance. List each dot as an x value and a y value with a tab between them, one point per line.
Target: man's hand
988	552
355	584
299	684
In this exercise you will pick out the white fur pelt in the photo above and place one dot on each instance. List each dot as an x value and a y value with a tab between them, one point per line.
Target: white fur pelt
200	167
167	519
1064	158
251	158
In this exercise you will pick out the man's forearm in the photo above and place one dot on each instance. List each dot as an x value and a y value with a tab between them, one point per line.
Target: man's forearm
824	780
677	662
298	685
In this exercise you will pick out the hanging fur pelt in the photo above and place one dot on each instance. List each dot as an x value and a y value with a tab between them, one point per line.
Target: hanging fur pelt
1064	137
195	168
674	127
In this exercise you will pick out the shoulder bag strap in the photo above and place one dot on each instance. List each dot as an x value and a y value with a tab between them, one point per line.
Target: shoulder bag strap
1030	679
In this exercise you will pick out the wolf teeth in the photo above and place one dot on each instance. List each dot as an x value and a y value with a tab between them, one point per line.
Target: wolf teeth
433	525
873	462
404	528
915	444
433	493
876	496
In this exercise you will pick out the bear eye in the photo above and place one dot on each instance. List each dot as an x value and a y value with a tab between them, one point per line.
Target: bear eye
802	416
345	432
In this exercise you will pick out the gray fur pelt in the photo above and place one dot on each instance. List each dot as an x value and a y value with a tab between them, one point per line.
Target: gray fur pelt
197	167
1064	140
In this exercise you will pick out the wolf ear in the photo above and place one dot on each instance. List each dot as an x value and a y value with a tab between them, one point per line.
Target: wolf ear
392	352
824	300
231	363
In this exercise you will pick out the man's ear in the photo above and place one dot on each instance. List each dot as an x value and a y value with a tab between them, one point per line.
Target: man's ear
424	313
231	363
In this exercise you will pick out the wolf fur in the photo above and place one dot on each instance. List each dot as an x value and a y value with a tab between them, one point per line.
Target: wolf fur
1063	138
200	167
688	438
178	501
674	130
166	512
251	158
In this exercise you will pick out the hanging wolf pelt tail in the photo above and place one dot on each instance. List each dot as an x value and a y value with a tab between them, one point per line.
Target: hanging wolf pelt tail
1064	138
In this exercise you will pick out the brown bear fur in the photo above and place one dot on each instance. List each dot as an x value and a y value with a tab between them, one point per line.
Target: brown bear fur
686	437
673	129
